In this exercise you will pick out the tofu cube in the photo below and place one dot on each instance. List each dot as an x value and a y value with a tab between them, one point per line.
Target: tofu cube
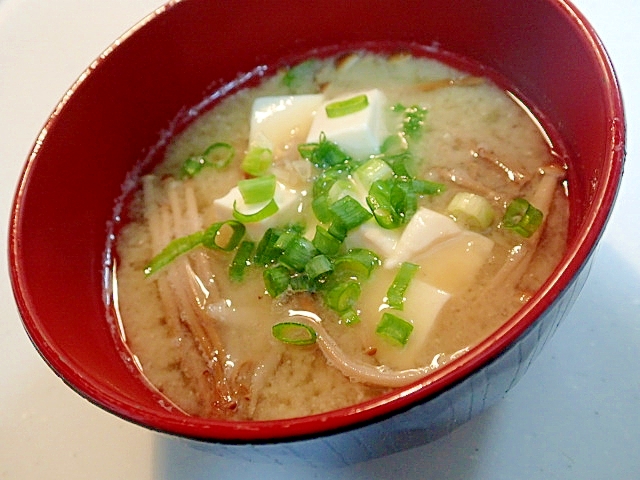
424	229
359	134
278	121
422	305
453	264
373	237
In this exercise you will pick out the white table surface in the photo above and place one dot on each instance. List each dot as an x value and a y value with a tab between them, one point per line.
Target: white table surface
575	415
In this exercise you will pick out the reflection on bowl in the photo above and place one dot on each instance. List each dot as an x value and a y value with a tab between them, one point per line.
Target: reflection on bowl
139	93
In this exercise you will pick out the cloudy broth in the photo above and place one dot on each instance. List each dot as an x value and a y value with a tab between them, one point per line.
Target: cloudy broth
207	342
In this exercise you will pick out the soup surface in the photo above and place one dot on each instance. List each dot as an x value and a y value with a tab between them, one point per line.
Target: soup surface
341	229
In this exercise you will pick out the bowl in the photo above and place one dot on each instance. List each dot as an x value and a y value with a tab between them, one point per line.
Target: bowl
147	86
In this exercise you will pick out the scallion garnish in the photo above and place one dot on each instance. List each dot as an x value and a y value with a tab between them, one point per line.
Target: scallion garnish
257	189
320	206
397	290
265	212
379	201
325	242
294	333
522	217
394	329
426	187
218	237
342	296
285	238
191	166
298	253
412	120
297	75
276	280
472	209
340	108
356	263
322	154
349	212
241	261
174	249
300	282
217	155
350	317
257	161
266	251
318	266
372	170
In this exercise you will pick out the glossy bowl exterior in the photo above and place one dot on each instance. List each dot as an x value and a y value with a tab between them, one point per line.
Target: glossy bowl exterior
135	94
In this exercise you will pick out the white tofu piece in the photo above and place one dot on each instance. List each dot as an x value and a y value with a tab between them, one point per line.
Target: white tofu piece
371	236
453	264
276	120
422	305
424	229
289	205
359	134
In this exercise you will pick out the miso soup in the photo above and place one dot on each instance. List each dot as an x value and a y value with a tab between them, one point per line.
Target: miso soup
342	228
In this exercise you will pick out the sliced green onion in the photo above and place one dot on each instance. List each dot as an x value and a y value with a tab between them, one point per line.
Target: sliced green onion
394	145
472	209
413	119
241	261
285	239
397	290
394	329
174	249
358	263
341	188
322	154
276	280
298	74
342	296
372	170
317	266
257	161
404	199
298	253
402	164
379	201
266	251
325	242
350	317
320	206
328	176
349	212
426	187
219	154
351	105
300	282
258	189
294	333
192	166
522	217
265	212
217	238
338	229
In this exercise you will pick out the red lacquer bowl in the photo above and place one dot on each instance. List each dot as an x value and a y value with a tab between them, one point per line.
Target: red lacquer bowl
141	89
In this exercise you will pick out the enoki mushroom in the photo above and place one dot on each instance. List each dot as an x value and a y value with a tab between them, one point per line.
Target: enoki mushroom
520	256
380	375
185	287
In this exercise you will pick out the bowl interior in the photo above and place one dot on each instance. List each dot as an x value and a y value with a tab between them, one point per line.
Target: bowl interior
129	99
